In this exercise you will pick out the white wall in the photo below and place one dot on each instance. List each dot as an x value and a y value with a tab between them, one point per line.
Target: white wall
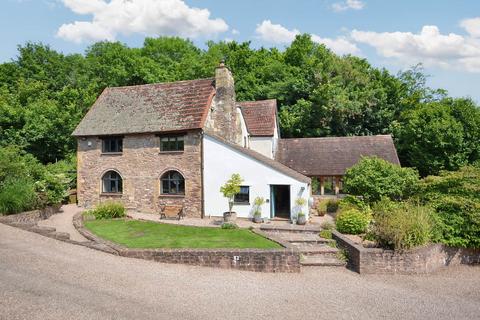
221	161
263	145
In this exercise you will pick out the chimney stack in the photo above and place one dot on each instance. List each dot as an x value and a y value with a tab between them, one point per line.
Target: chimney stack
224	112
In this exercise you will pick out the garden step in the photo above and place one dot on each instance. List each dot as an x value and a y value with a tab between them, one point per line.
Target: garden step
321	249
322	261
293	228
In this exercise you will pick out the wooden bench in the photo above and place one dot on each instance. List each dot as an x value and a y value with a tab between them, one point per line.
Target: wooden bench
171	211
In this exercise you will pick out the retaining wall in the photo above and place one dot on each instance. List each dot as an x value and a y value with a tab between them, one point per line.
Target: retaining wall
425	259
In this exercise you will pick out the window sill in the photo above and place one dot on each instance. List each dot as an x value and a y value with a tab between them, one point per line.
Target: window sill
241	203
171	196
171	152
111	153
111	194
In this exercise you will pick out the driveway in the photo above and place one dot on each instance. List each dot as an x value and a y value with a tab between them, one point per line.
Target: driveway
42	278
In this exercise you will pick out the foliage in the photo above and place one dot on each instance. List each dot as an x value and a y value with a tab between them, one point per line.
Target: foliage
332	205
352	202
402	225
146	234
258	203
455	197
26	184
300	202
441	135
231	188
326	234
322	207
108	210
352	221
229	225
16	196
326	225
373	178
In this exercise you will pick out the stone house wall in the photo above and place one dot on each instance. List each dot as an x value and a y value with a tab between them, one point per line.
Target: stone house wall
140	165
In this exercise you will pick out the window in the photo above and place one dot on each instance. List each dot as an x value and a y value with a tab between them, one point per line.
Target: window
171	143
243	196
173	183
112	182
112	144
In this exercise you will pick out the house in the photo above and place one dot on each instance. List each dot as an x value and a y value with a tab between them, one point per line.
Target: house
179	142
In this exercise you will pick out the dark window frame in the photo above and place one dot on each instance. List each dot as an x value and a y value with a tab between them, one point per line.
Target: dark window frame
172	143
112	182
112	144
175	181
242	197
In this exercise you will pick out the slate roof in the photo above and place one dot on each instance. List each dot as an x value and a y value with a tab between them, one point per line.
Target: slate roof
161	107
261	158
333	155
259	116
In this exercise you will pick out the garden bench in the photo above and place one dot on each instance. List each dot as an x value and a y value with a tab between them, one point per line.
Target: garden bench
171	211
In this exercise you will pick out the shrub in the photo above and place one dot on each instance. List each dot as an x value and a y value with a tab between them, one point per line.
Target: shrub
332	206
322	207
455	197
17	196
351	202
402	225
373	178
109	210
229	226
326	234
326	225
352	221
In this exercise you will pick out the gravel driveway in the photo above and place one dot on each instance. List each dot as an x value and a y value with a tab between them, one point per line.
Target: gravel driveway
41	278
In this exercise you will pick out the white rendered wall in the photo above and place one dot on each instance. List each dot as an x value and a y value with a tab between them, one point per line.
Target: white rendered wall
221	161
263	145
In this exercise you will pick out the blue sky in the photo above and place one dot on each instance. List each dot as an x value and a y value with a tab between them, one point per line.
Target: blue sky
443	35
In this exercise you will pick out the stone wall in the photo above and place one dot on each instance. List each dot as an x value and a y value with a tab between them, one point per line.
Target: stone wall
425	259
140	165
258	260
30	217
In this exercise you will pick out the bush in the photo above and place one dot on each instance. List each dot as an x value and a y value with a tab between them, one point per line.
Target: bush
332	206
326	234
402	225
352	221
455	197
108	210
322	207
373	178
17	196
229	226
326	225
351	202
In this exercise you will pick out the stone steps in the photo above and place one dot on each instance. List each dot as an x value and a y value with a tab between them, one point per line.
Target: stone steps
315	250
321	261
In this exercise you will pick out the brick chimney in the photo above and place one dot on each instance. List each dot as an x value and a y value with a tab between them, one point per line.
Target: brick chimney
223	116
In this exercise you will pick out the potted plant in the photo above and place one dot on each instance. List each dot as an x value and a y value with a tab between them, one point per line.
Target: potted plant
229	190
257	214
301	216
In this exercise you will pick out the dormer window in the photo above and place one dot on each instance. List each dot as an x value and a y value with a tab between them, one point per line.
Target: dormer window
112	145
171	143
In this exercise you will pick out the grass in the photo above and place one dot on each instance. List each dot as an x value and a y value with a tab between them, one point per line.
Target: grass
142	234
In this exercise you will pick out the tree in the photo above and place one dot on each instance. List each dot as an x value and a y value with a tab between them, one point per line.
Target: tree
374	178
231	188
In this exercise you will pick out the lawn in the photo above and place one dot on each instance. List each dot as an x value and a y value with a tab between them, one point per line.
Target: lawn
142	234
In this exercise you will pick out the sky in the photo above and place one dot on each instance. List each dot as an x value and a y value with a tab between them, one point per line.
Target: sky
443	35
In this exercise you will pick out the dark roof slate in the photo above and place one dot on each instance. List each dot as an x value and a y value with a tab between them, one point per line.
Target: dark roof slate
259	116
333	155
261	158
161	107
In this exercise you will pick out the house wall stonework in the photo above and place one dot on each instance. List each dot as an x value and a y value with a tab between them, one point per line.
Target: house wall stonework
141	165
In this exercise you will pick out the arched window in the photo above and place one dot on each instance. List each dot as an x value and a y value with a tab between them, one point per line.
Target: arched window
172	182
112	182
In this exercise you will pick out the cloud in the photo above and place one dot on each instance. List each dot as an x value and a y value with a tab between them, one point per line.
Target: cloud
429	47
278	34
347	5
472	26
148	17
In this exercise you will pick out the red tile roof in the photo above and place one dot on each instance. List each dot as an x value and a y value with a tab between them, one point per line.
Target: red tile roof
173	106
260	116
332	156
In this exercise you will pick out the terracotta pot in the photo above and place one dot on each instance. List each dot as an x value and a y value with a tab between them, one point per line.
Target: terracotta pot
257	219
229	216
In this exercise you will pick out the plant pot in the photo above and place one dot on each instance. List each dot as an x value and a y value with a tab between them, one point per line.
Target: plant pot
257	219
322	213
229	216
301	220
